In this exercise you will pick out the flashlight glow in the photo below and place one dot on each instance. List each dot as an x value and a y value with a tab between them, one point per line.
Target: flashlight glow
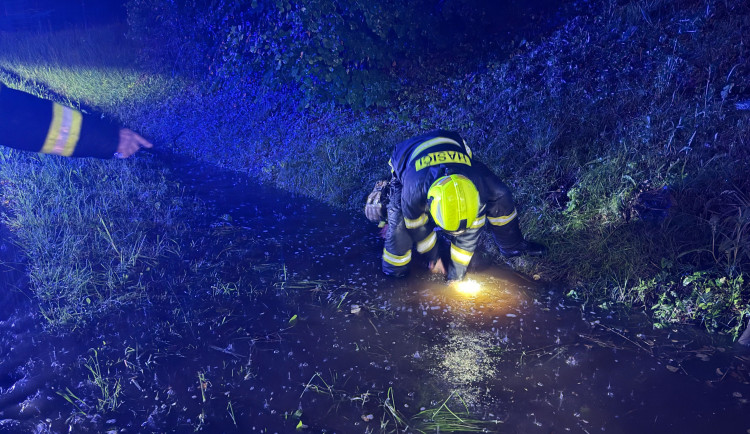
468	288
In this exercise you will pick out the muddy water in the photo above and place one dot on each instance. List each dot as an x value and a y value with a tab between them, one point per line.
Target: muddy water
296	330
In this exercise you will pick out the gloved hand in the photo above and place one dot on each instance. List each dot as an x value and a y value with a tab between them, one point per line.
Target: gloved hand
375	210
436	267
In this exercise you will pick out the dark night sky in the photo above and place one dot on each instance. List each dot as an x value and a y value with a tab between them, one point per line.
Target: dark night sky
53	14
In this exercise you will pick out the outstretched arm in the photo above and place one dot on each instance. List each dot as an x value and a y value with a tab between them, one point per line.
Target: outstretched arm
33	124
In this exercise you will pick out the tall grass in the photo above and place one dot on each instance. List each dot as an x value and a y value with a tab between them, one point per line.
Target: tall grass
89	229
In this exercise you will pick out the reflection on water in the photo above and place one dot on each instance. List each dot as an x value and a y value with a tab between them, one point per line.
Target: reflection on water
299	331
464	359
485	295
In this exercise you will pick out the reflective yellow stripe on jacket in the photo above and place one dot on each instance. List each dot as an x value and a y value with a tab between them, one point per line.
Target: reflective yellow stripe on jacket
64	131
428	243
430	143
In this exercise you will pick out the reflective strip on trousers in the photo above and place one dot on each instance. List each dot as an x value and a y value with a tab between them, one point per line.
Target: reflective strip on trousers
478	223
395	260
460	255
502	220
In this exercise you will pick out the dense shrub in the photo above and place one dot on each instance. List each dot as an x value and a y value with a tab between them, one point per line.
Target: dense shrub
173	37
351	51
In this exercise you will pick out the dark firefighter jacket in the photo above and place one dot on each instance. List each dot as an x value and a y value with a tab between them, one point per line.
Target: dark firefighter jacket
33	124
415	165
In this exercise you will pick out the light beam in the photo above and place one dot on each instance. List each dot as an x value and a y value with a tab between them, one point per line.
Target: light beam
468	288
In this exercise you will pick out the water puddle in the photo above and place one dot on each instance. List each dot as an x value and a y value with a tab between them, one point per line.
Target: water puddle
294	329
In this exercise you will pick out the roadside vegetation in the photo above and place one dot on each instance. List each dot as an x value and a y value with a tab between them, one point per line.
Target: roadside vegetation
623	133
90	248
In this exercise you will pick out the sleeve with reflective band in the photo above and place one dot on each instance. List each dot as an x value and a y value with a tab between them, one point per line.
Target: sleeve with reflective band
33	124
398	242
462	250
426	239
416	223
500	208
428	243
64	131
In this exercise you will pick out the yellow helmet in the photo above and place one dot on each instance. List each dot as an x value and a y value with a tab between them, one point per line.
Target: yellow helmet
454	202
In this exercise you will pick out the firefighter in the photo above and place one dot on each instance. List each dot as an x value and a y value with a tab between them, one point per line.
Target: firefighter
436	183
32	124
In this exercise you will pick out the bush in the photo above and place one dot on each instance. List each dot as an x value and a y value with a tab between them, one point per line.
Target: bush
173	37
352	52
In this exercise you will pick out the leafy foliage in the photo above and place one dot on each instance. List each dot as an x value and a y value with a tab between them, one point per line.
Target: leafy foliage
173	37
716	302
347	51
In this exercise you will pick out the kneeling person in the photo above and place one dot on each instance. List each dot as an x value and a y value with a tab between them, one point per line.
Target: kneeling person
435	182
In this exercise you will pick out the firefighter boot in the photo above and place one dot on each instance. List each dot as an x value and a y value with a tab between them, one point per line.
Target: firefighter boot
525	247
510	241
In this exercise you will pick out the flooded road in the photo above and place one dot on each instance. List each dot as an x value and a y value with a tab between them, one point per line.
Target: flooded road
273	316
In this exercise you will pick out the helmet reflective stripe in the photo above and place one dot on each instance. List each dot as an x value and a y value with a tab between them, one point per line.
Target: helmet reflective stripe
502	220
395	260
415	223
460	255
479	222
454	202
428	243
468	149
430	143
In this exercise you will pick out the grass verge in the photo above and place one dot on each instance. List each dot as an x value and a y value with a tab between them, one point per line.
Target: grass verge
90	230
